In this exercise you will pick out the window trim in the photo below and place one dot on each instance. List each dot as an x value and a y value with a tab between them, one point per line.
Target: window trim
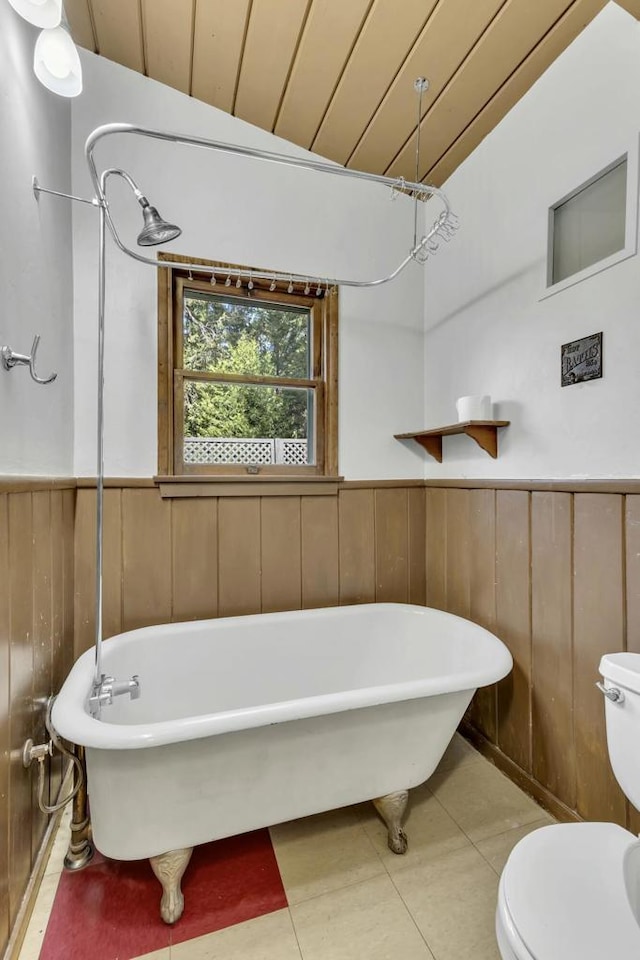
324	309
631	224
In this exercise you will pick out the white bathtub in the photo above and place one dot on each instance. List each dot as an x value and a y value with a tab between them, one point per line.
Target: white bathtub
250	721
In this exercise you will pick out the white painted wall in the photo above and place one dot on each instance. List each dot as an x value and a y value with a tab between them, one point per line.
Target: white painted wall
488	331
239	211
36	422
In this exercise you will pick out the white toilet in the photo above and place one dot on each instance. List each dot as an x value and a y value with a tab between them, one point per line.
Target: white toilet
572	891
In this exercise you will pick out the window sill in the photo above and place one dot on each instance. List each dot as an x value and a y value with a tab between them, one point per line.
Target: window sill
245	486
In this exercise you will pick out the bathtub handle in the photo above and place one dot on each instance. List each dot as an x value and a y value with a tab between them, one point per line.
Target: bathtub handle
109	687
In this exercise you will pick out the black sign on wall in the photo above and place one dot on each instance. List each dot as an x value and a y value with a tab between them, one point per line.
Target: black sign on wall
581	360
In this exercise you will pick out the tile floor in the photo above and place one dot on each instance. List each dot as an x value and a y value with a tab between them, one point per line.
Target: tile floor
322	888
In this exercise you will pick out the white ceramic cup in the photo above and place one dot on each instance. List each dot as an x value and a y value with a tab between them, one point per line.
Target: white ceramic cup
474	408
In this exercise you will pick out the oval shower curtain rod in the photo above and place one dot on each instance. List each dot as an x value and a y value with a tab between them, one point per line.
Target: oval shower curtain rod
444	225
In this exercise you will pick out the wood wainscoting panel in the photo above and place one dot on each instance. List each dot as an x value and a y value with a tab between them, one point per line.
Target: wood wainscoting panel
392	545
146	559
555	573
319	544
5	735
356	511
436	562
42	634
417	546
598	628
194	558
632	572
458	552
552	644
68	596
281	554
84	567
59	668
36	644
632	585
21	670
513	623
239	560
482	595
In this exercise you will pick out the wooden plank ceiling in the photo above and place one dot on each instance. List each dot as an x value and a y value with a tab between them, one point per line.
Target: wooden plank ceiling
336	76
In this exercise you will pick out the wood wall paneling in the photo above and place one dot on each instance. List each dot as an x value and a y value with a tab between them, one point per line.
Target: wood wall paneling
239	562
146	559
445	41
632	570
281	554
194	545
118	29
168	38
219	35
58	665
436	561
554	574
21	670
329	34
84	571
42	633
83	566
417	546
319	552
518	26
5	733
35	535
357	546
269	49
385	39
552	644
598	629
458	552
482	595
392	545
68	527
513	623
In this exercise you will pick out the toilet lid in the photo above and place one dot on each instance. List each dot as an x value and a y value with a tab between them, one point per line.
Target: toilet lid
564	889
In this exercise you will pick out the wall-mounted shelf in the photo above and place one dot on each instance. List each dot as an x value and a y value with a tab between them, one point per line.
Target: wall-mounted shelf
484	432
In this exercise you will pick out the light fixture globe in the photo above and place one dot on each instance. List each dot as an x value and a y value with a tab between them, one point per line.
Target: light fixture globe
41	13
56	63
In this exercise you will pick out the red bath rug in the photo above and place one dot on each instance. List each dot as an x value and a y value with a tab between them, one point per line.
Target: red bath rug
110	910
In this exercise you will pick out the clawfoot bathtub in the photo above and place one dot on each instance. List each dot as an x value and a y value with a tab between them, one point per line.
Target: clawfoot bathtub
246	722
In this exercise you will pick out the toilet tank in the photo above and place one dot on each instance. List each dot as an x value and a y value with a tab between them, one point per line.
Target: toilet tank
621	672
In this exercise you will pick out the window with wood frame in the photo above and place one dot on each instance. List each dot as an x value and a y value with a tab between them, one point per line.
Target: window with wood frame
247	375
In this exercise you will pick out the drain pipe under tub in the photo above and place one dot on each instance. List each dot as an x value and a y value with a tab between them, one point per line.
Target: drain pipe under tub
81	849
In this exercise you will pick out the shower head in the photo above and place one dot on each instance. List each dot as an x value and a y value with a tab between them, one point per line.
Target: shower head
155	230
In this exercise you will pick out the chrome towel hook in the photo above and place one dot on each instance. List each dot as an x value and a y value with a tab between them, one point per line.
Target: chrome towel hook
9	359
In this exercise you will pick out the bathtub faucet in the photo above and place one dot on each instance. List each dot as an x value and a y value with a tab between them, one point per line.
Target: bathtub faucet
108	688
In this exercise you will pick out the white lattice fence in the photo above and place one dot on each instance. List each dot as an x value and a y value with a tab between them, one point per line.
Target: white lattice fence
292	452
259	450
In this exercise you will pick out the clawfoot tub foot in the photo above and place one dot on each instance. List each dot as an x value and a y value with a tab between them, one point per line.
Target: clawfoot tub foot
169	869
391	808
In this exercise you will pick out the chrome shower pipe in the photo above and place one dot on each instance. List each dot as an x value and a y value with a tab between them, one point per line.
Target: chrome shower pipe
419	190
103	217
97	680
